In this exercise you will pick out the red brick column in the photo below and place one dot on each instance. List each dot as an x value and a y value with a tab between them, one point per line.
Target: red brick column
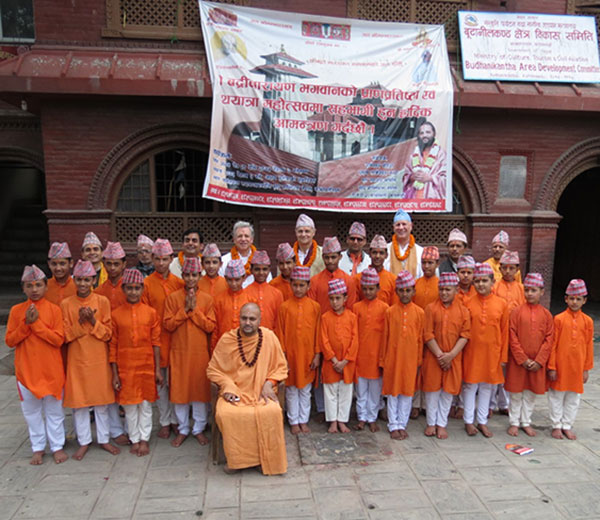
544	225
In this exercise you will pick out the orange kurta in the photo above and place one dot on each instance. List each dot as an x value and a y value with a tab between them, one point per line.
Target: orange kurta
402	349
426	291
136	330
156	290
227	312
38	359
572	351
298	328
497	273
89	376
531	336
488	347
283	285
512	292
339	339
114	293
447	325
252	429
319	288
371	322
213	286
387	287
464	296
58	292
268	299
189	352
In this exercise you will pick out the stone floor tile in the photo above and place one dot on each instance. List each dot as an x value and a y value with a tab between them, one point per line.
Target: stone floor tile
453	496
529	509
567	474
116	500
432	466
396	499
415	514
9	505
339	503
507	491
278	509
331	476
576	499
277	492
385	481
491	475
58	504
169	505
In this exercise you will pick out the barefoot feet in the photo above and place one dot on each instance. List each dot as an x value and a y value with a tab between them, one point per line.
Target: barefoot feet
442	433
164	432
333	427
113	450
414	413
373	427
144	449
294	429
529	431
569	435
360	425
135	447
202	439
471	430
178	441
485	430
121	440
304	428
513	430
430	431
80	453
343	428
60	456
38	458
557	433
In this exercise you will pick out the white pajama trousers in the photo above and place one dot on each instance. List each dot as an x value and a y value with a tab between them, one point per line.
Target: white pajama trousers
500	398
482	393
166	412
338	400
45	420
438	407
563	408
521	407
115	421
83	426
320	398
139	421
398	408
368	397
297	403
199	414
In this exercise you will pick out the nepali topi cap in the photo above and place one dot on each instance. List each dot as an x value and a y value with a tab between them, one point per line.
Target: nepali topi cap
211	251
430	253
191	264
113	251
457	234
305	221
300	272
378	242
466	262
132	275
501	238
576	287
331	245
483	270
336	286
32	273
369	277
448	280
534	280
404	279
84	268
143	240
91	239
510	258
162	247
59	250
235	269
284	252
401	215
260	257
359	229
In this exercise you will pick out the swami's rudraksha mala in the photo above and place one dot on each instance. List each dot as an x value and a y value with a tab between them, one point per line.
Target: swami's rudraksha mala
256	352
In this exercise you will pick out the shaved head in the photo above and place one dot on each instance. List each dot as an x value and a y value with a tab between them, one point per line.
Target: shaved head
250	319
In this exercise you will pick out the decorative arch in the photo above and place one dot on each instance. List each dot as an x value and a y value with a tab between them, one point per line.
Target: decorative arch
577	159
120	160
14	153
469	176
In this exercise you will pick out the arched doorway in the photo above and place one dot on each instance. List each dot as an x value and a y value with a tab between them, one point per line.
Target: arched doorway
577	249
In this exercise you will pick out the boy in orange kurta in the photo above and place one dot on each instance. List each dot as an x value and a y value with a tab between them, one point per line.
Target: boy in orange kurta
157	287
401	354
60	263
447	330
190	318
260	292
211	283
88	327
286	260
465	268
487	351
571	360
339	345
115	262
135	360
531	335
370	314
35	331
298	328
387	281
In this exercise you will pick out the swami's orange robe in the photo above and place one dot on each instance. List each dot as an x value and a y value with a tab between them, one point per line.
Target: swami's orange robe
57	292
283	285
298	329
497	273
426	291
213	286
89	376
572	351
227	311
252	429
371	322
136	330
114	293
268	299
319	288
387	287
531	336
512	292
488	347
339	339
38	359
464	296
189	352
156	290
402	349
447	325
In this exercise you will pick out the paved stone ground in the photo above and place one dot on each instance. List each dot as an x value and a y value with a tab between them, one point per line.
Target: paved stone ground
420	478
